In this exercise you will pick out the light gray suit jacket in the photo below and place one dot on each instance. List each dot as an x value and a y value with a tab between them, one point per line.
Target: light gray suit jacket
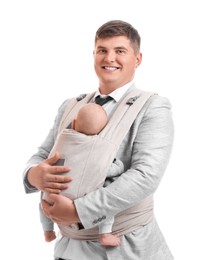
145	153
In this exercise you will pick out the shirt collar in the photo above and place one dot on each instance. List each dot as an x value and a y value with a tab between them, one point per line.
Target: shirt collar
117	93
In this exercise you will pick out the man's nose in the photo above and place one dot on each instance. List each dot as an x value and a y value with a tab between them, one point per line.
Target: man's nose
110	56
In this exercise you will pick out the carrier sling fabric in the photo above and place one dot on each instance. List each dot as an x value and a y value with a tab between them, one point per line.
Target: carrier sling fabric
99	160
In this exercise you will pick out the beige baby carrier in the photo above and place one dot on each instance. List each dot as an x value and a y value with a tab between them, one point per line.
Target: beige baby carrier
91	157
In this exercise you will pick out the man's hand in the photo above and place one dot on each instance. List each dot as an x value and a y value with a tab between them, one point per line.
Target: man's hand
62	211
47	177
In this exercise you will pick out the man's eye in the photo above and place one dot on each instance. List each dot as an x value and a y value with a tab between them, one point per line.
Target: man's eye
120	51
102	51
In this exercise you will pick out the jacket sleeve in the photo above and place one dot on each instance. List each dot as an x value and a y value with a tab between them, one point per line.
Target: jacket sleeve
44	149
151	140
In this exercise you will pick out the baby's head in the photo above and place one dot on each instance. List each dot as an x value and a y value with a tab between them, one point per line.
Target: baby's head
91	119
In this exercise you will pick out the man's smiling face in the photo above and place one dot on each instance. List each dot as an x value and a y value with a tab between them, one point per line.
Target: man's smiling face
115	62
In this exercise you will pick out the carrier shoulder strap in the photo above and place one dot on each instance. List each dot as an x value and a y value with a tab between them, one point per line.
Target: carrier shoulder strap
125	114
120	121
72	109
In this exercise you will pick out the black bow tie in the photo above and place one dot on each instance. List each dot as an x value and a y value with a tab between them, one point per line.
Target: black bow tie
102	100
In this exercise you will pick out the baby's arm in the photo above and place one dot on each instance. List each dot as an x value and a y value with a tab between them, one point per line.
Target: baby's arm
116	168
47	225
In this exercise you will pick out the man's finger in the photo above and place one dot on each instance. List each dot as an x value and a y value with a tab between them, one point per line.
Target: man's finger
45	207
59	183
53	197
59	169
53	159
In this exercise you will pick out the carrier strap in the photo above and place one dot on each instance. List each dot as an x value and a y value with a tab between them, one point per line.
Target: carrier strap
72	109
124	115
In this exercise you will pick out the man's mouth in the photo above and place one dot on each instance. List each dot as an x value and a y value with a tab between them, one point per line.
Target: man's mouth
110	68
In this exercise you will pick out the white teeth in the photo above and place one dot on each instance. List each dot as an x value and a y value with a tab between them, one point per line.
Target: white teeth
110	68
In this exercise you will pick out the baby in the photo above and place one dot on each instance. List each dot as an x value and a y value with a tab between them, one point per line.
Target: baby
90	120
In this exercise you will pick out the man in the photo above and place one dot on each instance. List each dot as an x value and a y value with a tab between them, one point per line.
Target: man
145	153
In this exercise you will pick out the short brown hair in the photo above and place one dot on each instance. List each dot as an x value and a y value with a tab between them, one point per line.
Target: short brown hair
119	28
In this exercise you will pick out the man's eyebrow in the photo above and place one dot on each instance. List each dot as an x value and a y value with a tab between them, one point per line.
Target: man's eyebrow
101	47
116	48
121	47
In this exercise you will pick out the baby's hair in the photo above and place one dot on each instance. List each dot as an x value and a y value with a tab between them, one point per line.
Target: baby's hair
91	119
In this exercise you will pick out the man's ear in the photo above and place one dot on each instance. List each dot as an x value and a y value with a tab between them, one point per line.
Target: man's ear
139	59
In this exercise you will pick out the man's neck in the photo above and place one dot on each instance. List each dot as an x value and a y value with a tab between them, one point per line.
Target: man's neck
107	89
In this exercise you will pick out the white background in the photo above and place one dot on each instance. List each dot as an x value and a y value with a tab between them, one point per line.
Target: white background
46	56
